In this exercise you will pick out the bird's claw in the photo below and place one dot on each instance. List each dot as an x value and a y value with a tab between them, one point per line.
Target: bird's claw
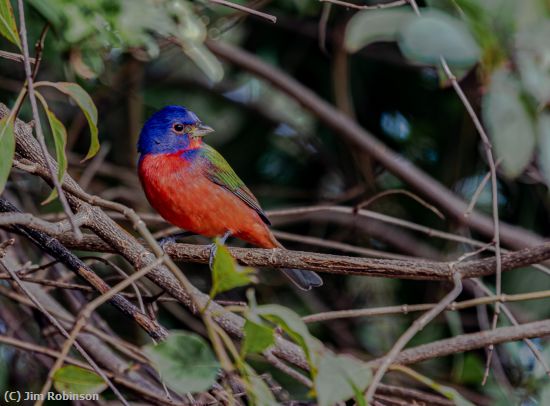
214	248
166	240
171	239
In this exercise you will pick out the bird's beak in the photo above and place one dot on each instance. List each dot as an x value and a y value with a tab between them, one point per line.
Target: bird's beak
202	130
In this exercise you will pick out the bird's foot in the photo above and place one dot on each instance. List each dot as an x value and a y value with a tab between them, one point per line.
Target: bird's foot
214	248
172	238
167	240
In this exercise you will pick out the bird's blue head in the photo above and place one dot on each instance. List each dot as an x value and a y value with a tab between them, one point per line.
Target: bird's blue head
172	129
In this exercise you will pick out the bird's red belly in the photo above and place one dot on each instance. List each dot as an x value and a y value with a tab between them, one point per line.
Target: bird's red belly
186	198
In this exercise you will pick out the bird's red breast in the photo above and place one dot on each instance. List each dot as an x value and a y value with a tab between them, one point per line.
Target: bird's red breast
178	189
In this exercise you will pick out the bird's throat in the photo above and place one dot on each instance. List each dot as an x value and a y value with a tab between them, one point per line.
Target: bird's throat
195	142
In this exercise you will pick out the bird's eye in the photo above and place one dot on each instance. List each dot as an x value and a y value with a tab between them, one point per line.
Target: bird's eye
178	128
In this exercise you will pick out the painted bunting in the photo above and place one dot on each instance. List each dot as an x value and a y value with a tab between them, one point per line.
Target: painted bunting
193	187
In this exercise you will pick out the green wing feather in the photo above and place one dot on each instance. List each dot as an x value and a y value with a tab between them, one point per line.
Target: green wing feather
220	172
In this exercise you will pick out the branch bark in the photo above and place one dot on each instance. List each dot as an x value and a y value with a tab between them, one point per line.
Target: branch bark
339	264
468	342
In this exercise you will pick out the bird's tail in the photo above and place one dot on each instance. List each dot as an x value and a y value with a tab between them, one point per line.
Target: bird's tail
305	280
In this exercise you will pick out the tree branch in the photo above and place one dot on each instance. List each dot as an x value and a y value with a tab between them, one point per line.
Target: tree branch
468	342
337	264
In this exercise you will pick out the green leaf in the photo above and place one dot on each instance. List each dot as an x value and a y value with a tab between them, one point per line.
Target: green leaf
59	134
190	34
8	28
226	274
544	395
508	123
185	362
543	130
260	392
257	389
434	35
293	325
369	26
7	149
533	60
78	380
257	337
339	378
86	104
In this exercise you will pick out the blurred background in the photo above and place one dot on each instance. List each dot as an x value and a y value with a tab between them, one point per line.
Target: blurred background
136	56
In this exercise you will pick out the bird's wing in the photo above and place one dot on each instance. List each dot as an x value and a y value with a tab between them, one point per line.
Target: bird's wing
220	172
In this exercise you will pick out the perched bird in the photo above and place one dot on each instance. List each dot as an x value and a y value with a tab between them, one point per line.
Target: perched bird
193	187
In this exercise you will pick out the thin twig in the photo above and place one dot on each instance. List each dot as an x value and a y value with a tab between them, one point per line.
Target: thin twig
418	325
14	57
406	308
475	196
277	363
124	275
84	288
494	190
39	50
479	189
23	345
413	196
336	245
94	165
245	9
49	282
379	6
449	393
414	397
323	22
27	270
26	219
510	316
38	126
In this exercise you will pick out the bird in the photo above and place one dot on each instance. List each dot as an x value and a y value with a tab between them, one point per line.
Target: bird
193	187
